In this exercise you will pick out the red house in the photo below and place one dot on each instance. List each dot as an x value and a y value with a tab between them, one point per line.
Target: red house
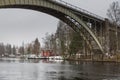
47	53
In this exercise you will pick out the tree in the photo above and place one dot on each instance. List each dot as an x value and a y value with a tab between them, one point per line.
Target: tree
8	49
63	34
114	16
36	46
21	50
2	49
29	49
47	41
76	44
114	12
53	43
14	50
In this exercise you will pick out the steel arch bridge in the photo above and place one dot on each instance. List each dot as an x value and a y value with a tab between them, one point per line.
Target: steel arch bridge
59	9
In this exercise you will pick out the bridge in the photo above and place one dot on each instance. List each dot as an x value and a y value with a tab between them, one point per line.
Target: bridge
94	29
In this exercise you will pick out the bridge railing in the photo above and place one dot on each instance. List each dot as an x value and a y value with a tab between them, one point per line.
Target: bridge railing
79	9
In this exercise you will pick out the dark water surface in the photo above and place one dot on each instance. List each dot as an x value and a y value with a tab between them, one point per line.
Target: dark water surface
15	69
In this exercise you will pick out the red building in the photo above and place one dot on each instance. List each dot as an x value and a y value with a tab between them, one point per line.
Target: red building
47	53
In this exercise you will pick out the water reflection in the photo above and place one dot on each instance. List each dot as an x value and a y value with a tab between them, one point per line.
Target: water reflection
19	69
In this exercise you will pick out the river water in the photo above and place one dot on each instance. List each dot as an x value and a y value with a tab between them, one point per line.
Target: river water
16	69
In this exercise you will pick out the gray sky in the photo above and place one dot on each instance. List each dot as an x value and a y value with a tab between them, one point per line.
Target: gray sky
20	25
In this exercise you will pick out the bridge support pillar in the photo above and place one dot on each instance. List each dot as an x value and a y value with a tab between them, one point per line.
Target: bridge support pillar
106	32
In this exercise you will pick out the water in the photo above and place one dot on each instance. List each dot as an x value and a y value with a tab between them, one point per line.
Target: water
15	69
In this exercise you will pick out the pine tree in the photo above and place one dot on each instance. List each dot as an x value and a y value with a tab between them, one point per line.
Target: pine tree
76	44
14	50
36	46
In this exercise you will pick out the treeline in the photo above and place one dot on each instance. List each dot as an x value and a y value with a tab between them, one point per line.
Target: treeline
30	48
7	49
64	41
33	47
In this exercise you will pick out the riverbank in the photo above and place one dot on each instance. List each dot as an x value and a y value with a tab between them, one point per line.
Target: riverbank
89	60
97	59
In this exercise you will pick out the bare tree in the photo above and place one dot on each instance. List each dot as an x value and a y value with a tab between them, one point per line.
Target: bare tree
64	35
47	41
114	16
114	12
21	50
8	49
29	49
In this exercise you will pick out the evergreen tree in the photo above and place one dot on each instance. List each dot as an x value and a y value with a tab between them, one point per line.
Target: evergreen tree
14	50
36	46
76	44
2	49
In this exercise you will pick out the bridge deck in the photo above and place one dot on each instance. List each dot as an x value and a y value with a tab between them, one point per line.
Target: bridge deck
78	10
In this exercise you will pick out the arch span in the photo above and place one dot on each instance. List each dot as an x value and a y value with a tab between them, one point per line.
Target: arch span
55	9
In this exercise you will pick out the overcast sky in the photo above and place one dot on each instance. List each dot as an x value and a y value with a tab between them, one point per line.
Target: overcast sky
20	25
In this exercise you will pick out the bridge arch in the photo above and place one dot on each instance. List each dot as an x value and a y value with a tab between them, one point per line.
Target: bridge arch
55	9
